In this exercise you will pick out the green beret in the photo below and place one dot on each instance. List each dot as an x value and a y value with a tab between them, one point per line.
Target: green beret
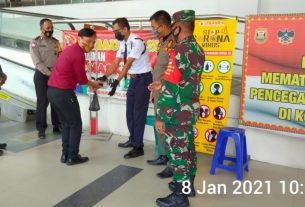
184	16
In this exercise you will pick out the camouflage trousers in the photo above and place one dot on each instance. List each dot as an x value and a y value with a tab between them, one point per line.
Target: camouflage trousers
181	151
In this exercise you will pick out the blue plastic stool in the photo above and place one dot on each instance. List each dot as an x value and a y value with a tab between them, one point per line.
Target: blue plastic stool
241	159
150	121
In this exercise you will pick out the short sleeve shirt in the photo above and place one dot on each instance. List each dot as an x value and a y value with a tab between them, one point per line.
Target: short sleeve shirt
135	49
69	69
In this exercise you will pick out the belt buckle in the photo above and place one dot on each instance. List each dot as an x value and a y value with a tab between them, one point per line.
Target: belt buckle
133	75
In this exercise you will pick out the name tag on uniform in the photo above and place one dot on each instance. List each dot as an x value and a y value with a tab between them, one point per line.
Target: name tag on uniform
42	46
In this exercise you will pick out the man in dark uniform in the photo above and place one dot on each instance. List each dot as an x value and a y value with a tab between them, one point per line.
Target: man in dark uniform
44	51
133	52
178	108
160	22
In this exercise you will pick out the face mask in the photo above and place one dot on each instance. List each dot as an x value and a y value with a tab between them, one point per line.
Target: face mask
176	35
87	48
48	33
155	32
119	36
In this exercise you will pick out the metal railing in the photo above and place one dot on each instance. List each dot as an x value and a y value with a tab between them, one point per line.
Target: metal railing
23	3
18	28
135	23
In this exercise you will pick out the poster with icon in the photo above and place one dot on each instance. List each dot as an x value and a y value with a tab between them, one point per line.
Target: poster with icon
273	93
217	38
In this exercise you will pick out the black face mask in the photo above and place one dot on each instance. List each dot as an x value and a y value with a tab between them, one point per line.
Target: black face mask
176	35
48	33
119	36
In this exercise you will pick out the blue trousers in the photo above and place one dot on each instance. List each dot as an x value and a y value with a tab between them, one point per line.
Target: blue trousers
137	106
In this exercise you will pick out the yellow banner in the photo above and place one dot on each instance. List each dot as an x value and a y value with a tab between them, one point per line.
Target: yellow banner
4	96
217	38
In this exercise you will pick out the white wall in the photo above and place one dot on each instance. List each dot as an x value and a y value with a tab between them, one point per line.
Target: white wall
266	146
145	8
281	6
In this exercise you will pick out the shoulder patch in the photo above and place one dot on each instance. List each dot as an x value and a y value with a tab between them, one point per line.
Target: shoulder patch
33	44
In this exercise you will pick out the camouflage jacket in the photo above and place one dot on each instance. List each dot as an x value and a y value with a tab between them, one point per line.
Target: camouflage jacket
179	97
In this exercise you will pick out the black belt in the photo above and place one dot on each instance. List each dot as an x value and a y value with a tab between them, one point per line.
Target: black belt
139	75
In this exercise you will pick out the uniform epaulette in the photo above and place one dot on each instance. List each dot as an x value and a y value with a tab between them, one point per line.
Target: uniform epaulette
37	38
53	38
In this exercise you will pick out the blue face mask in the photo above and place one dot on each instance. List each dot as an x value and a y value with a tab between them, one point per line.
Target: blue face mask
155	32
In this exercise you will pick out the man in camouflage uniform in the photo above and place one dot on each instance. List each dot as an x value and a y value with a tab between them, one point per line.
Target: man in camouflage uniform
44	51
178	108
161	22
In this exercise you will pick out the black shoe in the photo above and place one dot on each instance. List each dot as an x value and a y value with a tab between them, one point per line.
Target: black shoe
135	152
41	134
1	152
56	130
172	186
176	199
63	158
166	173
3	146
77	160
125	144
161	160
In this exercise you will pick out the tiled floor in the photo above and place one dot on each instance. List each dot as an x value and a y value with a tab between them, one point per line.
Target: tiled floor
35	177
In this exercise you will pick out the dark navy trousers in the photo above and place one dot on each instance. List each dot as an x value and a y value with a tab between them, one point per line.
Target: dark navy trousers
41	87
137	106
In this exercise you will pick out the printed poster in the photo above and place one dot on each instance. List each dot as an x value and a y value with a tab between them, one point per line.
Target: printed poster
217	38
273	93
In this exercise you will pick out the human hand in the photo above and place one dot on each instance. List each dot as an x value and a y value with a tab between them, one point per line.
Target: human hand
113	85
159	127
103	78
155	86
94	85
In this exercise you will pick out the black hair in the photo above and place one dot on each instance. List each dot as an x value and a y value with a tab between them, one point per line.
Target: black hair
44	20
122	22
162	17
86	32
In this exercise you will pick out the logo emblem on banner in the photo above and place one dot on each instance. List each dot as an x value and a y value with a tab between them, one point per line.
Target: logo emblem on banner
285	37
260	35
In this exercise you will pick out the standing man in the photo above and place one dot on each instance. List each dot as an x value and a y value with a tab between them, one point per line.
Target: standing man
44	51
178	108
133	52
68	72
3	78
161	22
